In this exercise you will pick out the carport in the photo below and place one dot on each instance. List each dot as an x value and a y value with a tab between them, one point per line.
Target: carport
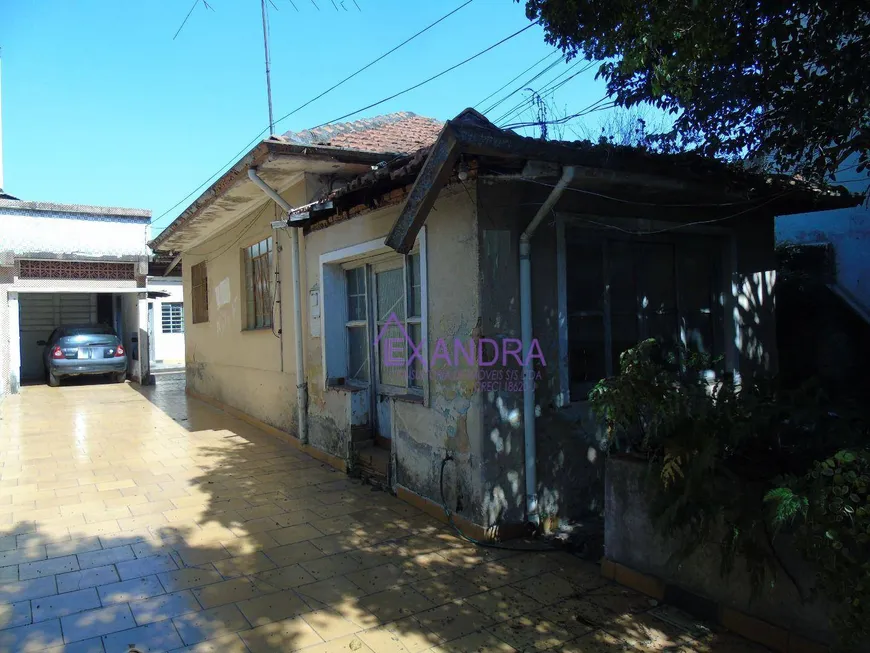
38	311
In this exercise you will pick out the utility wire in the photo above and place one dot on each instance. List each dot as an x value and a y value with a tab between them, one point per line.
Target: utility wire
184	22
548	89
299	108
432	78
500	89
528	82
373	62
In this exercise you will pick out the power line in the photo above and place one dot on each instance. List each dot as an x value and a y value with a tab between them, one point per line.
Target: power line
500	89
548	89
184	22
527	82
373	62
299	108
432	78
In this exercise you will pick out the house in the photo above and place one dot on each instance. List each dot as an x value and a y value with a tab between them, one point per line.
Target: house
442	298
165	314
69	264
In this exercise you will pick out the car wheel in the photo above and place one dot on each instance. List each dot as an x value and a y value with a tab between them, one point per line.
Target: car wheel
53	381
119	377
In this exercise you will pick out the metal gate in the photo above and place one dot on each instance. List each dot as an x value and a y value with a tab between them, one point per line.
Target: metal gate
40	313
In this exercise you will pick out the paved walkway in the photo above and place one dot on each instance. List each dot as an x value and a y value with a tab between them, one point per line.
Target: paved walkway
157	521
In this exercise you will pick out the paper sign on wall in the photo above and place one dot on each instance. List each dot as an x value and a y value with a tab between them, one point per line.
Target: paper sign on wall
222	293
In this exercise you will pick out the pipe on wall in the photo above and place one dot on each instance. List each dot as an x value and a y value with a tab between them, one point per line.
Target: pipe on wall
301	385
526	329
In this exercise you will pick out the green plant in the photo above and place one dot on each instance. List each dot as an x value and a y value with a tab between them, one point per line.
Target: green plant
829	509
716	454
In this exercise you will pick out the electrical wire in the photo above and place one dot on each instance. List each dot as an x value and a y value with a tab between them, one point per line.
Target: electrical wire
529	81
548	89
559	121
299	108
372	63
432	78
184	22
501	88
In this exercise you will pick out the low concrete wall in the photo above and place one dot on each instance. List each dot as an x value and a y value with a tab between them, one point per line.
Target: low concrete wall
631	539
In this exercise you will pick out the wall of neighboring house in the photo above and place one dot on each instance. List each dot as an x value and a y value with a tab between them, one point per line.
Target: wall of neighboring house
167	346
570	443
224	360
5	353
448	419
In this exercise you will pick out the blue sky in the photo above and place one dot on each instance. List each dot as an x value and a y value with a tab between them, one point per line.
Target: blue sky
101	106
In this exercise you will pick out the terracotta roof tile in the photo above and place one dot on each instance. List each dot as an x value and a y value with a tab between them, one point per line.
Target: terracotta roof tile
395	133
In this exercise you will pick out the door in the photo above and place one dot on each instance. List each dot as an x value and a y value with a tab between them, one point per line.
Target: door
40	314
391	373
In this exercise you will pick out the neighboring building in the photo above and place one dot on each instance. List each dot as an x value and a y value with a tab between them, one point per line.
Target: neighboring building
69	264
411	278
165	314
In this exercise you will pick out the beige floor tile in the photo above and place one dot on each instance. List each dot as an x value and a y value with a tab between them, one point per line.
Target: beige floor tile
87	578
285	577
27	589
164	606
447	587
32	638
331	566
50	567
453	620
72	547
95	623
531	633
60	605
228	591
272	607
331	590
104	557
145	566
291	554
394	604
378	579
504	603
158	636
245	565
479	642
294	533
330	624
349	644
403	636
187	578
201	626
130	590
15	614
9	574
288	635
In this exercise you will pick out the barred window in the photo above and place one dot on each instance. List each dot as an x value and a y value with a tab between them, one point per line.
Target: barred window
199	292
258	267
172	317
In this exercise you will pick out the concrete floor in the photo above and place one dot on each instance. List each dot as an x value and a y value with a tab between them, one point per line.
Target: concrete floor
154	520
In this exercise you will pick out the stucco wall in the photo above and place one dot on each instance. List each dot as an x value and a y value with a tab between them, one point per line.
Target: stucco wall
167	347
5	354
422	434
243	369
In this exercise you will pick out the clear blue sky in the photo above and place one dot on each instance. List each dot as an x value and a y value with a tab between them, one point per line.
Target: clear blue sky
101	106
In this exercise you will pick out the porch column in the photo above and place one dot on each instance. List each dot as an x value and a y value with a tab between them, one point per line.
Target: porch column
143	345
14	345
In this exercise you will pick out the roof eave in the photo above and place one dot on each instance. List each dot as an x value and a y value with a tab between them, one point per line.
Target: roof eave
265	151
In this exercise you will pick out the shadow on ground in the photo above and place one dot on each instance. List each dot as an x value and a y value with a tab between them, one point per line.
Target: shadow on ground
169	524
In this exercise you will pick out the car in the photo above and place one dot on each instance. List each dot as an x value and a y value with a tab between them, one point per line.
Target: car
83	349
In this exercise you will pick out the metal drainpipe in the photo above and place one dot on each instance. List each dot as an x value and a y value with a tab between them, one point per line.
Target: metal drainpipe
301	385
526	326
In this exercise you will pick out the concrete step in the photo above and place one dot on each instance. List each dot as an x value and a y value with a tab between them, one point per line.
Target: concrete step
374	464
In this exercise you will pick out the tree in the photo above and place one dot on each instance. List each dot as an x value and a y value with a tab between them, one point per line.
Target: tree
786	80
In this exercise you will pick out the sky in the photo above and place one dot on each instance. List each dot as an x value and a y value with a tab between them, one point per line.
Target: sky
101	106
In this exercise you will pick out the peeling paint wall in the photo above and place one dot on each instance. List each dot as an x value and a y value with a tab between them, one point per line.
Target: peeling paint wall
239	367
450	423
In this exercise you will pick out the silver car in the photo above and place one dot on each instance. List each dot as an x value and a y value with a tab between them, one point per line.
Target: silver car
75	350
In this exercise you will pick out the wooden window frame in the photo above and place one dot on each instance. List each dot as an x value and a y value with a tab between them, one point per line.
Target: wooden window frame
199	292
258	284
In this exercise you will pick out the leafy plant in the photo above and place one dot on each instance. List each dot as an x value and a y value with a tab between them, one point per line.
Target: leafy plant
829	508
717	453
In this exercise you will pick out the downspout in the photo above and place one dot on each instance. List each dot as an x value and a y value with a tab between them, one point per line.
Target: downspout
526	326
301	385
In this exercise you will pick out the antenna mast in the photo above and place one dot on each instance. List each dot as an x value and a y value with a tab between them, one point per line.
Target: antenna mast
268	66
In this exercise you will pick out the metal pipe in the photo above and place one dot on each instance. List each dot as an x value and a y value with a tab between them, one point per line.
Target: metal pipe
526	327
301	385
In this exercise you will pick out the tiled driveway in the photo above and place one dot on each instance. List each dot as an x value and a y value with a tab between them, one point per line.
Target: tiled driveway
156	521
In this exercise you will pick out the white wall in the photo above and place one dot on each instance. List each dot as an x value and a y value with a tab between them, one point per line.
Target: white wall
168	347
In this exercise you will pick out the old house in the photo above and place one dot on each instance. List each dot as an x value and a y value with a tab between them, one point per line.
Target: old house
433	302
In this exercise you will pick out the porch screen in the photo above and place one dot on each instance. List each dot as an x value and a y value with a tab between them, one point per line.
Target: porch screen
621	290
258	271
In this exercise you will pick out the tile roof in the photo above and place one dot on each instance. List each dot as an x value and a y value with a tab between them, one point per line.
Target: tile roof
395	133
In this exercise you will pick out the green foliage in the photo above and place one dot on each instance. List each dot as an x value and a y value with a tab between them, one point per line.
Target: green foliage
829	508
718	452
784	81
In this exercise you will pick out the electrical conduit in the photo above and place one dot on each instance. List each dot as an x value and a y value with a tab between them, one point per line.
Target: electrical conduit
526	327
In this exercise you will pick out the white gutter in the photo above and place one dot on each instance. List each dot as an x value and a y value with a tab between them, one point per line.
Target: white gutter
301	385
526	327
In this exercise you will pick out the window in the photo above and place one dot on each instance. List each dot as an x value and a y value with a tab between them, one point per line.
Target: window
199	292
258	290
172	317
384	307
621	290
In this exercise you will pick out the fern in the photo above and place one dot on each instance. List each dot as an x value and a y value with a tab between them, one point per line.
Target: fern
787	506
671	469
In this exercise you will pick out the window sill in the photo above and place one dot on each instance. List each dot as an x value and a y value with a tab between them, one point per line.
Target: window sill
258	330
408	398
346	387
